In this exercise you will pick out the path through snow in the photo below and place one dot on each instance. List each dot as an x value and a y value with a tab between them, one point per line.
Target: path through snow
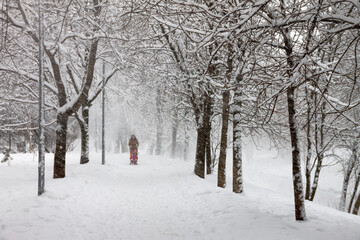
158	199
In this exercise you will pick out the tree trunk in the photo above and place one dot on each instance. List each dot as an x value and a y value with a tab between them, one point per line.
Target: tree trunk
85	134
296	163
320	155
308	147
355	150
208	112
357	205
60	151
346	182
223	144
159	124
209	162
83	121
347	176
10	137
237	144
201	142
174	135
62	118
320	158
356	185
200	150
158	139
308	177
173	141
187	143
316	177
299	198
96	142
344	191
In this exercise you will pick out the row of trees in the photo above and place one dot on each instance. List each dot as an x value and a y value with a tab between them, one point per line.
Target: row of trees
287	69
72	36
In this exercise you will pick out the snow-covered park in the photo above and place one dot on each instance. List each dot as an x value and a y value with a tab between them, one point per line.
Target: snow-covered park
161	198
172	119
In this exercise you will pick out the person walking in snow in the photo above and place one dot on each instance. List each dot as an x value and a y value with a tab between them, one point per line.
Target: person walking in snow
133	145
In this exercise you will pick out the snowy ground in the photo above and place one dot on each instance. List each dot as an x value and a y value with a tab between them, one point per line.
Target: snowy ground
159	199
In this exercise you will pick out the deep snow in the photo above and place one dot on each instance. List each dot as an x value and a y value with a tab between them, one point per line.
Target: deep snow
160	198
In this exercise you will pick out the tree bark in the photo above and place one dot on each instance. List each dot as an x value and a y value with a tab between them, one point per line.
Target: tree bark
159	124
174	135
60	151
356	185
63	114
203	131
237	144
308	147
356	206
84	126
316	177
223	144
299	197
308	178
225	118
355	150
96	144
200	152
187	143
344	192
346	181
296	163
10	137
345	187
201	141
208	112
320	154
209	162
83	122
61	131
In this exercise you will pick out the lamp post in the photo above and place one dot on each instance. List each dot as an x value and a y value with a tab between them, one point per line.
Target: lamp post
41	147
103	116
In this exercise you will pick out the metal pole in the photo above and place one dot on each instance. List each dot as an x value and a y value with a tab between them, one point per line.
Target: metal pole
41	147
103	115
